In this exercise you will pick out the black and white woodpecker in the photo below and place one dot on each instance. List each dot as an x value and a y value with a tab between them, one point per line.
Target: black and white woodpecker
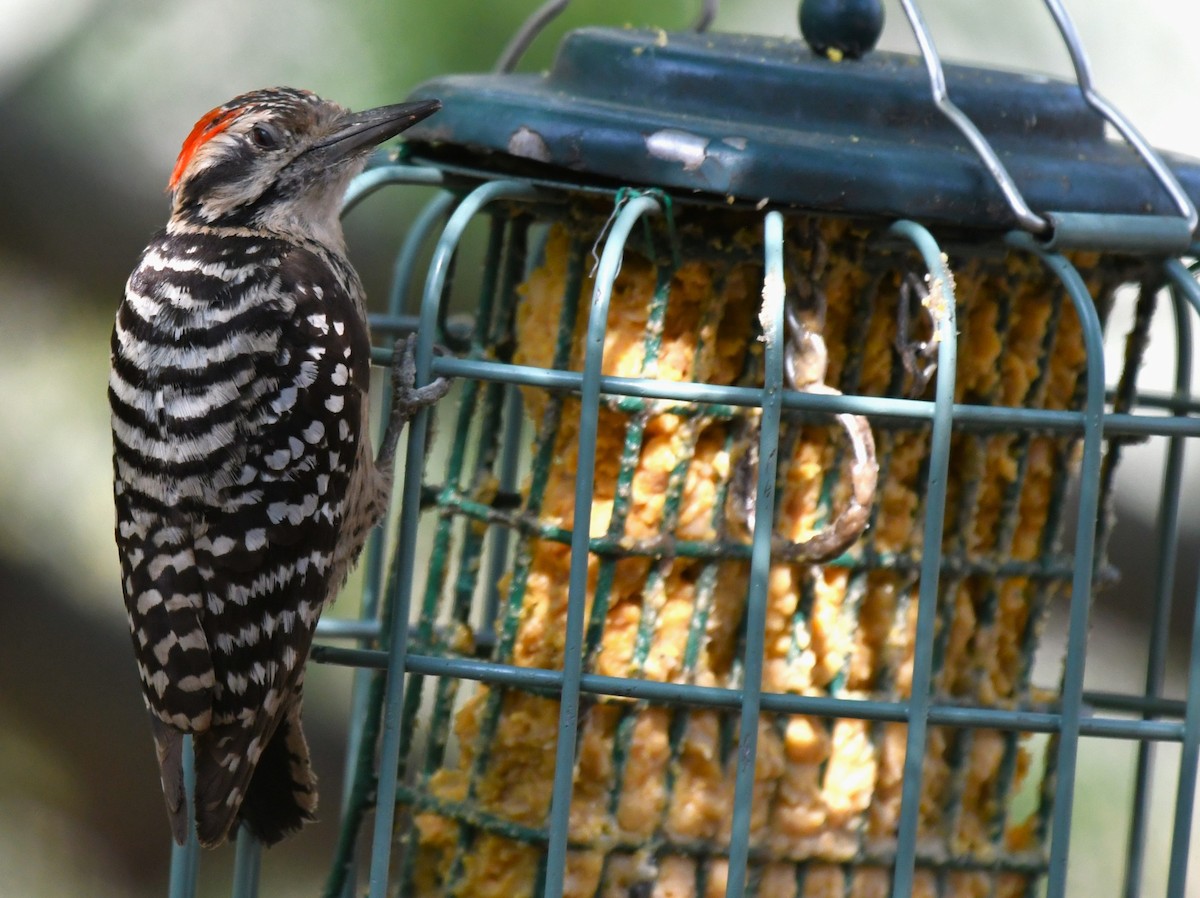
244	479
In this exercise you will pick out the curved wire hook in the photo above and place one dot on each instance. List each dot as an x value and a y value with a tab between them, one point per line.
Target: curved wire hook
550	10
708	12
805	359
530	29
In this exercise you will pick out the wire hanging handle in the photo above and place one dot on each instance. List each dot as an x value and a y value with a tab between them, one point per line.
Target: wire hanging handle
1026	217
1083	75
550	10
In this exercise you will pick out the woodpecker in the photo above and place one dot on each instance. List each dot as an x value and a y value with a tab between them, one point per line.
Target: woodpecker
244	479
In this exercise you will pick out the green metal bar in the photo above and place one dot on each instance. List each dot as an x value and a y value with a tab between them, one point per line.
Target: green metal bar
1055	566
364	694
404	273
920	696
631	450
878	407
185	858
1102	232
509	478
539	474
1147	706
395	173
564	757
1085	544
760	558
971	449
468	404
482	403
418	429
361	630
247	863
1149	399
1051	538
549	682
1185	796
1179	405
342	877
1041	591
1167	537
382	325
654	589
472	817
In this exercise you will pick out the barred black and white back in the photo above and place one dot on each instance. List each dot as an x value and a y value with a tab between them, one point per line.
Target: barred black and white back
243	477
239	366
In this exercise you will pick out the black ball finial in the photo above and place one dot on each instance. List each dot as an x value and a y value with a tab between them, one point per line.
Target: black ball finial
841	28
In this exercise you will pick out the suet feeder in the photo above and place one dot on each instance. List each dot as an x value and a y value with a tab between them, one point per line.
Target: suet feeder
782	421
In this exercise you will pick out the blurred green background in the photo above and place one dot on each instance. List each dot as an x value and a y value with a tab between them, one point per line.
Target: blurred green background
95	97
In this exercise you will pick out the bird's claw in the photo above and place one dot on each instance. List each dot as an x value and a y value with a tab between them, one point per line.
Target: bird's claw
407	399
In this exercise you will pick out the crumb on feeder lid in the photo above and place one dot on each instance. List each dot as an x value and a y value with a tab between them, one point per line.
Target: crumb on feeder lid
840	29
725	115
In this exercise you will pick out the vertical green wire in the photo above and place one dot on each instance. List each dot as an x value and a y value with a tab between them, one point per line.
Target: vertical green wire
1167	536
564	756
247	862
1085	546
433	213
499	538
365	694
1189	757
508	621
931	556
185	858
1037	595
405	560
631	451
437	568
760	552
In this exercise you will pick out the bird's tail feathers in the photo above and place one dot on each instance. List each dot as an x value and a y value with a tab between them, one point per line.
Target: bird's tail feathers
282	795
168	744
260	775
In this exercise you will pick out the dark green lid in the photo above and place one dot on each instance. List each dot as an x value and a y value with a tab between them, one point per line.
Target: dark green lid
757	118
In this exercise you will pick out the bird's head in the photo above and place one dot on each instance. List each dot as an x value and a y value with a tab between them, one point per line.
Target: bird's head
280	159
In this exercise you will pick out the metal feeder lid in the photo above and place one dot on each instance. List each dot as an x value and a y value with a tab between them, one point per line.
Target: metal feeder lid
754	118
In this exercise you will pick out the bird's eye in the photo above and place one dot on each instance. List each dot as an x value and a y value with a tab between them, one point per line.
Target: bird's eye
264	137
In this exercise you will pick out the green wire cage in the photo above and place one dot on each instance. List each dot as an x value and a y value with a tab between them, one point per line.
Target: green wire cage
782	423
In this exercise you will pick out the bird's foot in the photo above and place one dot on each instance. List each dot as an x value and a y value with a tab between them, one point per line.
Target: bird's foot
407	399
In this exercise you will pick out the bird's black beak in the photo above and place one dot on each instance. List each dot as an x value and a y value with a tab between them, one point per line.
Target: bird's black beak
360	130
